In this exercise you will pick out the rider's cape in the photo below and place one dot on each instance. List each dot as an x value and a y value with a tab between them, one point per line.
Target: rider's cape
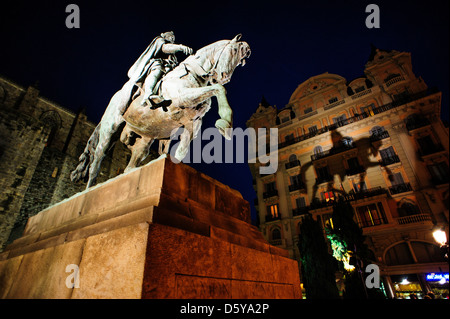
140	67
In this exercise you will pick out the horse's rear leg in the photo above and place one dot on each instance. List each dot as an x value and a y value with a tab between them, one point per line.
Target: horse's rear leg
139	151
99	154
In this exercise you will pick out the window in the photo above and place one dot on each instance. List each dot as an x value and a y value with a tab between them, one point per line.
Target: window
377	130
396	179
300	201
332	100
399	255
273	210
360	89
407	208
328	196
353	163
312	129
323	175
425	252
359	186
292	158
368	109
387	153
285	119
347	141
317	150
296	179
371	215
339	120
426	144
439	172
271	187
289	137
276	234
308	110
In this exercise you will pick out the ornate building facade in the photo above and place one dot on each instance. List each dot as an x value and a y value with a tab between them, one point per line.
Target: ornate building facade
39	146
379	142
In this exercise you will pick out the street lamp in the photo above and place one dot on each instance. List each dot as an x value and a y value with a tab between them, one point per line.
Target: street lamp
441	238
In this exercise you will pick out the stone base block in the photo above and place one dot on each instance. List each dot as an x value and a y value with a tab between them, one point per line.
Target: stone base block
160	231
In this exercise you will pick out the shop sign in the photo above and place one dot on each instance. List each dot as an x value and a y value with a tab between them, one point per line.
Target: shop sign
437	276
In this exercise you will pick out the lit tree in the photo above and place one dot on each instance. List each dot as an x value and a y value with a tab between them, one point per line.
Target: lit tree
318	266
347	242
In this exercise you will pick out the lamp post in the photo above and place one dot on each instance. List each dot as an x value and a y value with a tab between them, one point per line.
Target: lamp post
441	238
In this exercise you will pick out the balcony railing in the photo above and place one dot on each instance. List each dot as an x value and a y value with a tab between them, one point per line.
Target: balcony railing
270	193
413	219
296	186
292	164
388	160
332	151
324	179
394	80
270	218
431	149
379	136
412	125
299	211
354	170
352	196
358	117
400	188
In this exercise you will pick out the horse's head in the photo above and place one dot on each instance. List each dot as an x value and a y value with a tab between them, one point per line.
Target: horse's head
227	56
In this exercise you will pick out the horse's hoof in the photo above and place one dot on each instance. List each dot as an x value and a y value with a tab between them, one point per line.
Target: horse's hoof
224	128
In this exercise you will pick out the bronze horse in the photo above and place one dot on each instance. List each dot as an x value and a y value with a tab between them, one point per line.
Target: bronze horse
187	91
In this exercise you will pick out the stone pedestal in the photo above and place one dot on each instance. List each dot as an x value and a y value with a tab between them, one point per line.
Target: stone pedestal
161	231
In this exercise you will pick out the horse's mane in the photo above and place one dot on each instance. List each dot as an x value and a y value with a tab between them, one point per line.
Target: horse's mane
211	49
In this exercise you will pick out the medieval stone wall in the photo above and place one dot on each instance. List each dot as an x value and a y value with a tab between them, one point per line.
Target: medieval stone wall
40	142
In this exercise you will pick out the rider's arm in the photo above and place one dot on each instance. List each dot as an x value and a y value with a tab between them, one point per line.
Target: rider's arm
170	48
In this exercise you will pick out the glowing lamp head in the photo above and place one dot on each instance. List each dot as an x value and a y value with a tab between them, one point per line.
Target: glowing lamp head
440	236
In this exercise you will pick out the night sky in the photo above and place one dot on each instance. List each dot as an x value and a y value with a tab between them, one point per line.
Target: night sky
291	41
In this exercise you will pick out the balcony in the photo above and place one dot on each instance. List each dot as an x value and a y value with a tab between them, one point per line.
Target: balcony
296	186
332	151
354	170
394	80
270	193
300	211
324	179
270	218
292	164
414	219
389	160
358	117
400	188
412	125
430	149
379	136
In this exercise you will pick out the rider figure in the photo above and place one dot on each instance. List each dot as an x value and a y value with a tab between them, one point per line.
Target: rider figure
158	59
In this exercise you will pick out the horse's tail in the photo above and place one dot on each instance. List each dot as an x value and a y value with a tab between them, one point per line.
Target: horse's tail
87	157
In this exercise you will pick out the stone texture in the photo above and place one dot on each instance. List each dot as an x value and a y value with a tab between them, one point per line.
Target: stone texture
148	234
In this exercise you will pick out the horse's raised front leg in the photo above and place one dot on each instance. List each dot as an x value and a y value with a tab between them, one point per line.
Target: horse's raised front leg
191	97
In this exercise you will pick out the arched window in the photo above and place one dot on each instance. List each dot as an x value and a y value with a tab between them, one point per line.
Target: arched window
402	253
407	208
317	150
276	234
347	141
399	255
377	130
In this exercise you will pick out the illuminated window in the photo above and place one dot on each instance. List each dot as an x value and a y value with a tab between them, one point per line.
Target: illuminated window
273	210
371	215
328	196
